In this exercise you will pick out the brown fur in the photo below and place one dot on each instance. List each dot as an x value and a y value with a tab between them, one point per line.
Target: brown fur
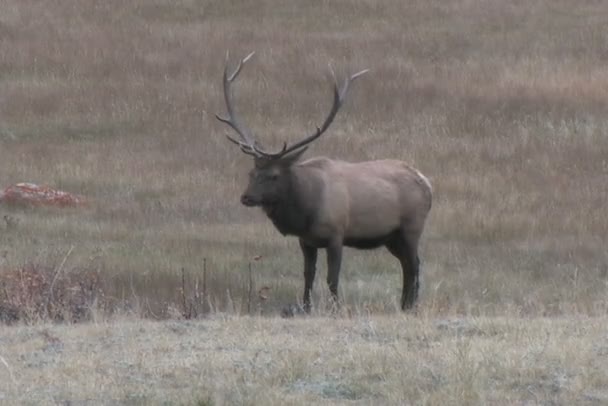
365	199
329	204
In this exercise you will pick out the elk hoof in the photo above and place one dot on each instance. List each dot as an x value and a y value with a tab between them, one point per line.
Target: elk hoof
292	310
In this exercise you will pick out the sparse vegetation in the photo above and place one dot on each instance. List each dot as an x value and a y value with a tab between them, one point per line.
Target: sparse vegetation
227	360
35	293
503	104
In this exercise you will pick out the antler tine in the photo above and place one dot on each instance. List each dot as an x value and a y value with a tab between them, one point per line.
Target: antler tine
239	67
244	147
339	97
248	143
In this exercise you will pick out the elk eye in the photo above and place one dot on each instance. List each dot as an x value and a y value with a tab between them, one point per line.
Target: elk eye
273	177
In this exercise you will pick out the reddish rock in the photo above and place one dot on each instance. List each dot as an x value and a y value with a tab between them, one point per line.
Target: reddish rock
32	194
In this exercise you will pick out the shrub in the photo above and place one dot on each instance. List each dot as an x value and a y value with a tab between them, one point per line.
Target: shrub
38	292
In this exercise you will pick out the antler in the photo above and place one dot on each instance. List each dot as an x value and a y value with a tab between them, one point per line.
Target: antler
339	97
248	142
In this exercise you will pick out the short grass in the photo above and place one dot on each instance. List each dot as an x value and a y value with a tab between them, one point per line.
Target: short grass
227	360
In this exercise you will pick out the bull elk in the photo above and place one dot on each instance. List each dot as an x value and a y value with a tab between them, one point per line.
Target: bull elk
329	203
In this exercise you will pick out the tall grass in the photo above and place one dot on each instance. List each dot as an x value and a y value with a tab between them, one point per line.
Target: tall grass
501	103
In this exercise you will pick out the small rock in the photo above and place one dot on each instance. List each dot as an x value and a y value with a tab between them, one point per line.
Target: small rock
36	195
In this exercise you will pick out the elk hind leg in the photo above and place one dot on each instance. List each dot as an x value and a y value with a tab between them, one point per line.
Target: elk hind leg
334	262
405	247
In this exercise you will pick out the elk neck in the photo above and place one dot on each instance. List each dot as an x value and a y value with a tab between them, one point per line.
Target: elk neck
293	213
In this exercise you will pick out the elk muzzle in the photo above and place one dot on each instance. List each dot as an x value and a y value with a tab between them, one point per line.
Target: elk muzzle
249	201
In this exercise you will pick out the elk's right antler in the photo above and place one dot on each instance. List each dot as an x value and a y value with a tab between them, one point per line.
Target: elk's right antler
339	97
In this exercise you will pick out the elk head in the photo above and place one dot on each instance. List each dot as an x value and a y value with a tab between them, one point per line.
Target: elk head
269	180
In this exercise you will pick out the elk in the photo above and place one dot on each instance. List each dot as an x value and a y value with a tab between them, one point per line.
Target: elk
329	203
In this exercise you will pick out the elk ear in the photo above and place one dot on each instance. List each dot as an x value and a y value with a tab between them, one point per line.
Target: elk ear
292	157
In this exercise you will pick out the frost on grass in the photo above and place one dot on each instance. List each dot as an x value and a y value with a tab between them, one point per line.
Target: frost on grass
274	361
328	388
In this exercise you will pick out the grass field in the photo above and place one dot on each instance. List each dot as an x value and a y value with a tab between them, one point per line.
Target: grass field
502	104
245	360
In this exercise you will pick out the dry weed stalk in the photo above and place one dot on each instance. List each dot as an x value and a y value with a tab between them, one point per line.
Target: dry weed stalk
9	369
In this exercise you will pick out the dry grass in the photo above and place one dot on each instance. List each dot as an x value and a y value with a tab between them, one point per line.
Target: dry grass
269	361
501	103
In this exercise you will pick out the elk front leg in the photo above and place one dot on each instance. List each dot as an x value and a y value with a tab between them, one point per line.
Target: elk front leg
334	261
310	269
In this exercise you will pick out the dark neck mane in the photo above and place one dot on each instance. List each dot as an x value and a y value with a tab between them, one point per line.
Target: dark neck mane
289	215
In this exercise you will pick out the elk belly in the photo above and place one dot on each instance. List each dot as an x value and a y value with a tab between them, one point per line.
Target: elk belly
369	242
